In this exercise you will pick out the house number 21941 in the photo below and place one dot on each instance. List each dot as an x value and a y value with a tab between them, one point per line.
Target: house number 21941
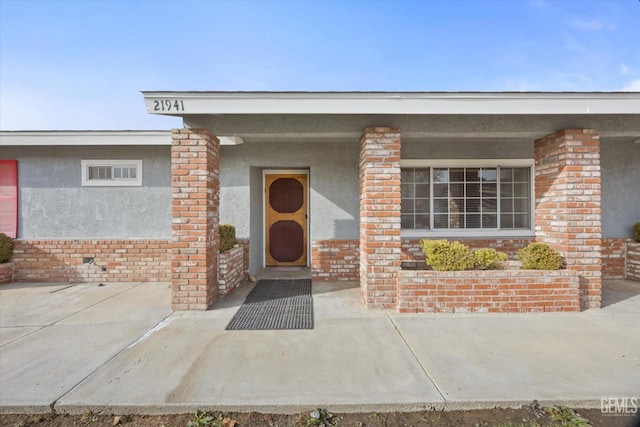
168	105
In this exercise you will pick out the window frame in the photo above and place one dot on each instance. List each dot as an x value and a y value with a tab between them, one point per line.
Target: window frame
471	232
113	182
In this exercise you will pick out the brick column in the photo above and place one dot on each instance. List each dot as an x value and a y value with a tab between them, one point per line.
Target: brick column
380	241
195	186
568	216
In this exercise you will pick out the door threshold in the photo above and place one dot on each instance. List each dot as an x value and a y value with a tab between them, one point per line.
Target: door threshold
284	273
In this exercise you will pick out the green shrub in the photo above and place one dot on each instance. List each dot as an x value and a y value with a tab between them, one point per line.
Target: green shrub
539	256
488	258
636	230
443	255
227	237
6	248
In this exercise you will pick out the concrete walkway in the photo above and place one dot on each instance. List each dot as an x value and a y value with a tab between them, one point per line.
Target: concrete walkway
118	347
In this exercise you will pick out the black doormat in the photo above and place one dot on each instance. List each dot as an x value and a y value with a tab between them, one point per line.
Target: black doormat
276	304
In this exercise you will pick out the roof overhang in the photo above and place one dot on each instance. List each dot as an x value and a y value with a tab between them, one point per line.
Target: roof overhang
391	103
97	138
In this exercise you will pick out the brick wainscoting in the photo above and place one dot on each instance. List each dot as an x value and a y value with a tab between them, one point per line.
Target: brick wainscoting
6	273
335	260
61	261
614	252
633	260
505	291
412	255
620	259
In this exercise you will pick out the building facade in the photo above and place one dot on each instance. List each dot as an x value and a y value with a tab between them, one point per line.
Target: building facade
344	183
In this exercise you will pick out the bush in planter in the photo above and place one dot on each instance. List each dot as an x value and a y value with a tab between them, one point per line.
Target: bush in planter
443	255
6	248
636	230
539	256
488	258
227	237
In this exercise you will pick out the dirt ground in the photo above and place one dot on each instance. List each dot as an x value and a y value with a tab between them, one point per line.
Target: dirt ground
529	416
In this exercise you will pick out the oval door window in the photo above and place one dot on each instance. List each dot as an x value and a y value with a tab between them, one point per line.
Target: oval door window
286	195
286	240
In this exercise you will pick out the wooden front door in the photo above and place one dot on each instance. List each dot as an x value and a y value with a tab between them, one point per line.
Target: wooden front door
286	219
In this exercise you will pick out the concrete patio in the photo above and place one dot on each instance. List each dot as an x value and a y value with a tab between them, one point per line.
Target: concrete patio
119	348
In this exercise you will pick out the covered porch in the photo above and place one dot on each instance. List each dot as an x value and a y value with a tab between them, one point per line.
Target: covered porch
354	147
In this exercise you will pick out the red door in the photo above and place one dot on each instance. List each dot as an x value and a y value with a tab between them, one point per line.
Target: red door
9	198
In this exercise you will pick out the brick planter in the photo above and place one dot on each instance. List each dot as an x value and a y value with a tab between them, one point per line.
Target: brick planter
492	291
412	255
6	273
231	270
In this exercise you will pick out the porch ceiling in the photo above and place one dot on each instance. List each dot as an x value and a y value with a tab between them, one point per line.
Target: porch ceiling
480	128
342	116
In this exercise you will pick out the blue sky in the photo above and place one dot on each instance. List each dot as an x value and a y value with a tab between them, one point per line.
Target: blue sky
81	64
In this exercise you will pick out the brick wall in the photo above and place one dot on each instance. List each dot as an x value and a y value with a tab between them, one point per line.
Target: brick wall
61	261
379	216
412	255
614	253
230	270
335	260
6	273
633	260
568	214
493	291
195	186
245	255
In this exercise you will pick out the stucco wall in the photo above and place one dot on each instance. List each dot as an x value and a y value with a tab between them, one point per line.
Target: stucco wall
456	149
54	205
620	166
256	242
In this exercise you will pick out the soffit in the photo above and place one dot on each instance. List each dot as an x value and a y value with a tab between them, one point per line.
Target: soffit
348	128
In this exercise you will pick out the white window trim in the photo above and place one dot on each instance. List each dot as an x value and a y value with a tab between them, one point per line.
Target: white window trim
473	233
469	163
466	233
86	182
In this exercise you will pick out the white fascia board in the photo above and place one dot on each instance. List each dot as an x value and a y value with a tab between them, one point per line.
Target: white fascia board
187	103
81	138
230	140
97	138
